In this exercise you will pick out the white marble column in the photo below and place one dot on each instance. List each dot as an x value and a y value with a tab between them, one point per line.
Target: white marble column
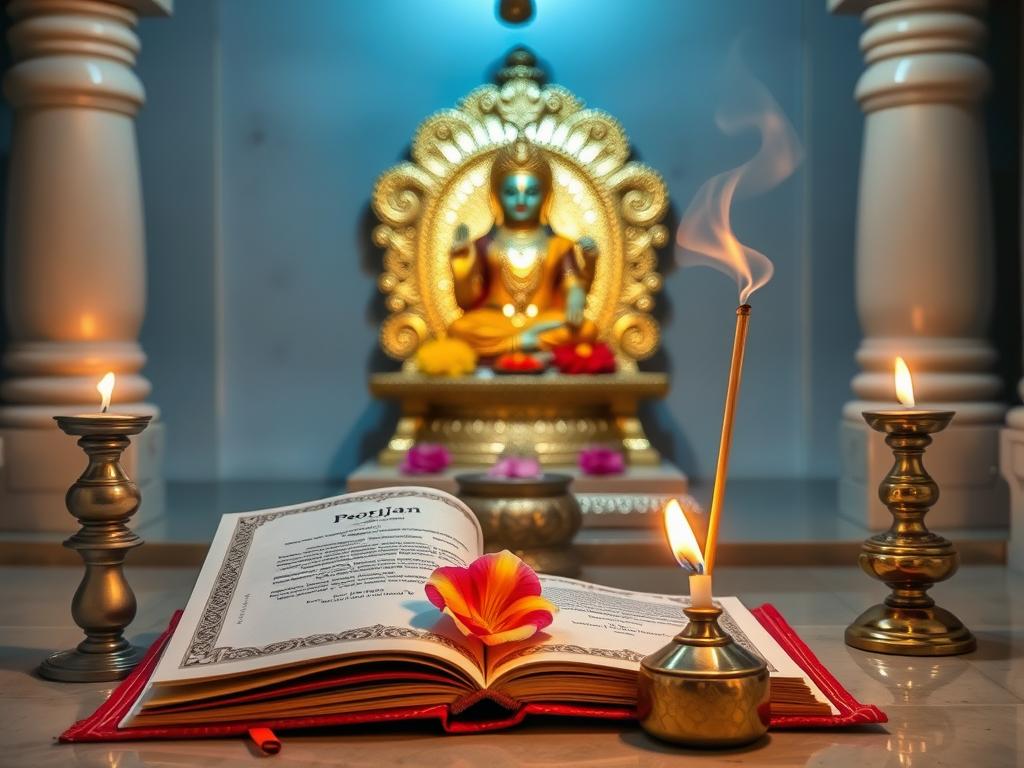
74	261
924	254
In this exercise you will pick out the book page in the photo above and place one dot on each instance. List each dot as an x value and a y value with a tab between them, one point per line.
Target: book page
607	627
338	576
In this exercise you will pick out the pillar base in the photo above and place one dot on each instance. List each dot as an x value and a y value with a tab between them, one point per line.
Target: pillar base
37	466
1011	460
963	460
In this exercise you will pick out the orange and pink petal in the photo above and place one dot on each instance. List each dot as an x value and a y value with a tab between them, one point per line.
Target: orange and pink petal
497	598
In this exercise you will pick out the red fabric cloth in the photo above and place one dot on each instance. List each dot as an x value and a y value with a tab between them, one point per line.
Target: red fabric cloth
101	725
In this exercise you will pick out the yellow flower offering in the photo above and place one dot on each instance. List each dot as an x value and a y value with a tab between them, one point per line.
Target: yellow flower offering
446	357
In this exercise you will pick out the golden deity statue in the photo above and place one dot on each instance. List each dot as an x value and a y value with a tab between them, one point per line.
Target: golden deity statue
520	286
520	224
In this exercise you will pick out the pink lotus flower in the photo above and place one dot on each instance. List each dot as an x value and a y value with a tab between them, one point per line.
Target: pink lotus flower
515	466
425	459
599	460
497	598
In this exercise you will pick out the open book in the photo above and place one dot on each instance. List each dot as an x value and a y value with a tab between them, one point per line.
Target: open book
317	610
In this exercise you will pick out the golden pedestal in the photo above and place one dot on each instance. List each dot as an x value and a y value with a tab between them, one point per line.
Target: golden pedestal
553	415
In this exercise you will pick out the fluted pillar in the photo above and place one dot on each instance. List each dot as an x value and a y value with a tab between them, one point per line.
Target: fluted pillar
924	256
74	261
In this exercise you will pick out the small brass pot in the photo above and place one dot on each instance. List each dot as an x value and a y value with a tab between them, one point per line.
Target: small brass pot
702	689
535	517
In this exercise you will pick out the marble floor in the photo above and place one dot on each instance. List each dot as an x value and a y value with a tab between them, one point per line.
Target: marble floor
966	711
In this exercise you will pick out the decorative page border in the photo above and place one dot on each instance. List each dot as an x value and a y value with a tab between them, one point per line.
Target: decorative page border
203	648
224	654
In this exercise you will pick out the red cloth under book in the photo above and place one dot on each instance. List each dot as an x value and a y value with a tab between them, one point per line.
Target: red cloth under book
102	724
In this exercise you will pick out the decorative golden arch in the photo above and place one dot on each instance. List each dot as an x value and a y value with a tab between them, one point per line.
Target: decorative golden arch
598	191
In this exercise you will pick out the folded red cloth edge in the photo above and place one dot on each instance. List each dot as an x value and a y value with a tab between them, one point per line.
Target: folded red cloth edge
101	725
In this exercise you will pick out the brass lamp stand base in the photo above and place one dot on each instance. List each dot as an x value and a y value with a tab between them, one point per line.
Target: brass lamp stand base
908	558
79	665
910	632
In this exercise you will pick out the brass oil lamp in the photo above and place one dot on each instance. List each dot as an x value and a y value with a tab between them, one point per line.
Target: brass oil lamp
702	689
102	499
908	557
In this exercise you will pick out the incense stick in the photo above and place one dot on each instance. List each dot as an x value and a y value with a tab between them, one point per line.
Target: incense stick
739	345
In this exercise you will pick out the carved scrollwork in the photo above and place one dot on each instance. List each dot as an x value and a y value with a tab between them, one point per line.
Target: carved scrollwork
401	334
599	192
398	198
644	198
635	334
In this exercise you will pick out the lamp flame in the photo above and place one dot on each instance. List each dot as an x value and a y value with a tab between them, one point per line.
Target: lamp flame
904	383
106	389
705	235
681	539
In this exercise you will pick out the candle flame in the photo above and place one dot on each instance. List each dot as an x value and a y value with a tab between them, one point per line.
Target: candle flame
106	389
681	539
904	383
705	236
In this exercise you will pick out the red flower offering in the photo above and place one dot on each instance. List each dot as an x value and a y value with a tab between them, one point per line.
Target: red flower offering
585	358
518	362
497	598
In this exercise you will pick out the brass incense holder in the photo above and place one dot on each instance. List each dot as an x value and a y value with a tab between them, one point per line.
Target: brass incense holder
102	499
908	557
702	689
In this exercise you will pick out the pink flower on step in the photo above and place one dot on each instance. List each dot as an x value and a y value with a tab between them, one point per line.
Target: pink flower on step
426	459
598	460
509	467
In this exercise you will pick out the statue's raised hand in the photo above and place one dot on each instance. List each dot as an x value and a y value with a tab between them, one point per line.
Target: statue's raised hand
461	240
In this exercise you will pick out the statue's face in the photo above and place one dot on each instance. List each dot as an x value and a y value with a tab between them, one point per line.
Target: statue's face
521	196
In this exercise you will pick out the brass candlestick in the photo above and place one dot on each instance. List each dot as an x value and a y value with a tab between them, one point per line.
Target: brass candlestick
908	557
102	499
702	689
